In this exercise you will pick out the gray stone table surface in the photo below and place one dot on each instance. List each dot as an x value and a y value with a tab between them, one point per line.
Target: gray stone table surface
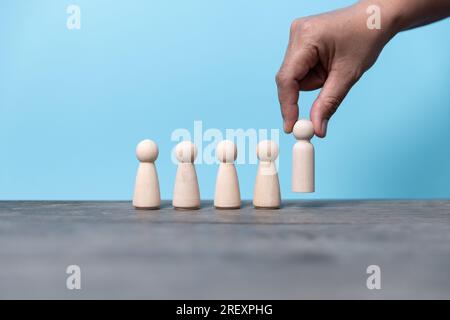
307	249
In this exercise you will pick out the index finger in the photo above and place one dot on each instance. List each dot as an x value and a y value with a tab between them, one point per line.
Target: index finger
295	67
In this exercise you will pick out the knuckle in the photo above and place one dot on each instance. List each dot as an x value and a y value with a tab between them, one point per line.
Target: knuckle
281	78
303	26
295	25
307	26
354	75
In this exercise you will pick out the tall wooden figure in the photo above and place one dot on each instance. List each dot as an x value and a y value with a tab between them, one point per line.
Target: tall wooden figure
303	157
186	193
266	194
146	190
227	195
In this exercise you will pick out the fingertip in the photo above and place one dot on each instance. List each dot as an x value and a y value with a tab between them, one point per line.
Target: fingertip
319	133
320	130
288	126
316	120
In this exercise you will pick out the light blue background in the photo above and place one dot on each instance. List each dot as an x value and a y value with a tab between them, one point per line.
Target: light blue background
75	103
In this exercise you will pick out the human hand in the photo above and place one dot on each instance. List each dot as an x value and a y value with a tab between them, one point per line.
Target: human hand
329	51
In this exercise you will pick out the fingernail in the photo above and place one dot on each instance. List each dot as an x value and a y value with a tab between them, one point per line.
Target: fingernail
324	127
285	127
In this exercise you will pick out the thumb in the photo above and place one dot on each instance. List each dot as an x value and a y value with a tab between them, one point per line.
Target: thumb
336	87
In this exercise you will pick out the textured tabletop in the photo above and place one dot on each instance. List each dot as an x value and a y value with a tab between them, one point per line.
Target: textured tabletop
307	249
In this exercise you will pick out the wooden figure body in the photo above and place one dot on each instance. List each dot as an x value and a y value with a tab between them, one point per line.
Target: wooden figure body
186	193
146	190
266	194
303	157
227	194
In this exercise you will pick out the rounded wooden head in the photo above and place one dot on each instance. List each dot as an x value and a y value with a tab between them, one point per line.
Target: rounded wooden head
303	130
226	151
147	151
267	150
186	151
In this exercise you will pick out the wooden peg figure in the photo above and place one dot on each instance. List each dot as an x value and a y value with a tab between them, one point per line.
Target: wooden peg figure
186	193
146	190
303	157
227	195
266	194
